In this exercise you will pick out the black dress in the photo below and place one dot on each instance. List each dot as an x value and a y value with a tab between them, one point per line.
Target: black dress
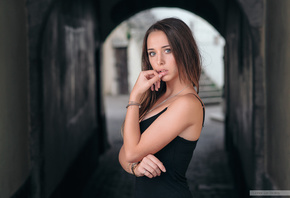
176	157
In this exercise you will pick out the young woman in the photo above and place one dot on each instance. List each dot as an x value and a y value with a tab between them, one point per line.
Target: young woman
164	115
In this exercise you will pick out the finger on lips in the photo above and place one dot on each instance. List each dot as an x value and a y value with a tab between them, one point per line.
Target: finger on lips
155	82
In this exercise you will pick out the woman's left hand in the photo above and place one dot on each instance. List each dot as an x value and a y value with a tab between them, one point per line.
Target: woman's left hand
150	166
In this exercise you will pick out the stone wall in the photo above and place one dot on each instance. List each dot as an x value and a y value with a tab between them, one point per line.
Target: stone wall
37	12
64	104
257	78
239	73
245	92
14	116
68	88
277	42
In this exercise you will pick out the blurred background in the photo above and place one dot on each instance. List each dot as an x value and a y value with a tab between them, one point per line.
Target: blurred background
66	71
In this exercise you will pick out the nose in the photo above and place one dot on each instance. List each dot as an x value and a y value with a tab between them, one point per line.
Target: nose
160	59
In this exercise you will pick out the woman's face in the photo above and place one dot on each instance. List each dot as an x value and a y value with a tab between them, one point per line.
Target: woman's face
161	57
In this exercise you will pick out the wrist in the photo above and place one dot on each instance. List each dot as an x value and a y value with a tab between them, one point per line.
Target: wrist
136	171
133	168
132	103
135	97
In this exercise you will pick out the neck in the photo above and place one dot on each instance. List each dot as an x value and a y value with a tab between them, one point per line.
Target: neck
171	92
173	88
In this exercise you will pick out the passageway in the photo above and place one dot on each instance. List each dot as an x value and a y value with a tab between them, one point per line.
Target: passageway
53	49
209	173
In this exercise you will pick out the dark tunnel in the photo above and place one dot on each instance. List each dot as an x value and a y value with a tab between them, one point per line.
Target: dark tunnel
61	134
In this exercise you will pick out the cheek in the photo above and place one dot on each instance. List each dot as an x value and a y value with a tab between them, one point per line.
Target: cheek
171	59
151	63
173	63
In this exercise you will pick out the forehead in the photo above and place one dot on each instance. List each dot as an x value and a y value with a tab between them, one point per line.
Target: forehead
157	39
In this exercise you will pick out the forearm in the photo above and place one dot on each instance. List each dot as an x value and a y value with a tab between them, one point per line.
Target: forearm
132	133
149	166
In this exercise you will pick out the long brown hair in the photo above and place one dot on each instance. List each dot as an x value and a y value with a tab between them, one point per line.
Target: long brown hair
185	52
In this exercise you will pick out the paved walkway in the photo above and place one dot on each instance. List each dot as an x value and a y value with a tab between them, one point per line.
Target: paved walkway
208	174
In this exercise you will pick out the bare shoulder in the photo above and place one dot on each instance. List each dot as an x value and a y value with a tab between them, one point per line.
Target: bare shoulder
188	101
190	105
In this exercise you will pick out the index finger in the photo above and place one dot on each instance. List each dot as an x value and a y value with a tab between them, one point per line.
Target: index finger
149	74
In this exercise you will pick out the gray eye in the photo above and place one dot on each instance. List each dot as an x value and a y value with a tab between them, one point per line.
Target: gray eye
167	50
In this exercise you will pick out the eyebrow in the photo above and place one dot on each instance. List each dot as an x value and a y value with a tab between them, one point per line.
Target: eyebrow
161	47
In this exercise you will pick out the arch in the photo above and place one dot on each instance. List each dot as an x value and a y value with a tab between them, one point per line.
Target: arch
124	9
236	20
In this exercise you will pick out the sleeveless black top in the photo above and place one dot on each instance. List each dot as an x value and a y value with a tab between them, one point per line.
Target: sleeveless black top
176	157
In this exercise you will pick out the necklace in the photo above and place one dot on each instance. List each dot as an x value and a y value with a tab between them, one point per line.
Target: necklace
166	100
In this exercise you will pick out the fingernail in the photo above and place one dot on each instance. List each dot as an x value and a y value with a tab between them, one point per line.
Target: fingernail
160	75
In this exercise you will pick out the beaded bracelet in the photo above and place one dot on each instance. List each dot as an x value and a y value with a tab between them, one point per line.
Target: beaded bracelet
131	103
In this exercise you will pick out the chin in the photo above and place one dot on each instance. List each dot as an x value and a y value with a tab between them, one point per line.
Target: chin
167	78
164	79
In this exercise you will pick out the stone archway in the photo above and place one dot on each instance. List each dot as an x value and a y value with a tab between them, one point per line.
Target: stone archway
240	23
256	38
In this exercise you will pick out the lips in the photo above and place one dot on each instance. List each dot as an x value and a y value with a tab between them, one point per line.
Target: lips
163	71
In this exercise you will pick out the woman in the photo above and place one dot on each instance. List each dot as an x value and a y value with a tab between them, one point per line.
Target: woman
164	114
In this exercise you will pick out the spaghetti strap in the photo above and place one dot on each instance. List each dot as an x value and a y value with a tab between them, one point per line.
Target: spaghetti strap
202	108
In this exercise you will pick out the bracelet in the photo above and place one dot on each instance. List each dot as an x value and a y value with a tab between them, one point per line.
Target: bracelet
133	166
129	166
131	103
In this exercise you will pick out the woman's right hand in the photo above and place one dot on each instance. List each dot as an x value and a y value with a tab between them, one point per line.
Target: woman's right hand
148	79
150	166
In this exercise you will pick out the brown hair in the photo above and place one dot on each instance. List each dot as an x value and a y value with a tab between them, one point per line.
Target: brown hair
185	52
